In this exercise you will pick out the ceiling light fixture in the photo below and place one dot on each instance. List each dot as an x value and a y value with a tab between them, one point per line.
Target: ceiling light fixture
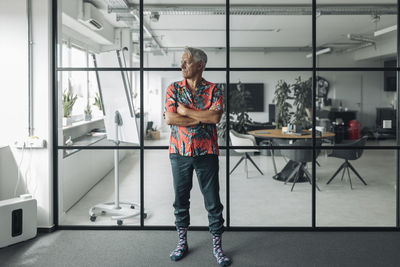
320	52
385	30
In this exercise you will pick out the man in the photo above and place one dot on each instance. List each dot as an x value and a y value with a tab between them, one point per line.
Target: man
193	108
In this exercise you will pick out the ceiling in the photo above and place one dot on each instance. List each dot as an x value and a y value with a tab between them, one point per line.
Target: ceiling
250	31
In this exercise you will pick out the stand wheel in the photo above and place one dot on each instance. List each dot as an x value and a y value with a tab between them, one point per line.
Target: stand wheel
133	207
119	222
92	218
144	215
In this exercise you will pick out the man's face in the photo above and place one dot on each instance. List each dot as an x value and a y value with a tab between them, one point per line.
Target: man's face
189	68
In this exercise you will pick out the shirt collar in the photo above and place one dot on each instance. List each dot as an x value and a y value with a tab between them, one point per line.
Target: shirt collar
202	83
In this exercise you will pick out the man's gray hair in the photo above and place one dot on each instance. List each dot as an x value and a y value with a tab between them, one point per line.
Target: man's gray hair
198	55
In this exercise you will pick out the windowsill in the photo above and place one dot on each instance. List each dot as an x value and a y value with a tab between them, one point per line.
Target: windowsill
83	141
80	123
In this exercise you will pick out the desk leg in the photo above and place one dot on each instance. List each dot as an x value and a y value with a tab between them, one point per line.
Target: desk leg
273	160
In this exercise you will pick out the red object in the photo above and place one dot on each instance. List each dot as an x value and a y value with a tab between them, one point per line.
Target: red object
354	130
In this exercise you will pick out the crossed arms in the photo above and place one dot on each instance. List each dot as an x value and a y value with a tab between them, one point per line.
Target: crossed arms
188	117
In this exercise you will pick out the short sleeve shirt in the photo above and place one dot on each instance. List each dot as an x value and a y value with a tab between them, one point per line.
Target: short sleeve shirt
197	140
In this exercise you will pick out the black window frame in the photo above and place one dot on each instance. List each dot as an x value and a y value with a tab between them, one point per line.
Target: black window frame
314	69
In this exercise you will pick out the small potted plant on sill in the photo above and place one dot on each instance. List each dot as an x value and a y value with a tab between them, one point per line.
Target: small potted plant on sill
88	113
155	135
97	102
68	99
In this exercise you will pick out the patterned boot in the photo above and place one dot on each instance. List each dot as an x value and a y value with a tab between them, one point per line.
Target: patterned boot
182	248
218	253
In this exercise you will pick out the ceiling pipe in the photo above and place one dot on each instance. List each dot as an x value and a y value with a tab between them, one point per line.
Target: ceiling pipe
383	9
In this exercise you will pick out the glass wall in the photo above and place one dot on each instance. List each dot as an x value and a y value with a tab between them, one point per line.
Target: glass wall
268	159
358	188
368	40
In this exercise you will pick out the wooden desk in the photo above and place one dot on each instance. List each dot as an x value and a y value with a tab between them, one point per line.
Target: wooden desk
277	134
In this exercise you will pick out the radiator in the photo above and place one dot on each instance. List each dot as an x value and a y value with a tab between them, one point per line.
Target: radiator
18	220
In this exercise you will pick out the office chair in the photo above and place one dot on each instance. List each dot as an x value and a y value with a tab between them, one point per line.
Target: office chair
238	139
350	154
302	157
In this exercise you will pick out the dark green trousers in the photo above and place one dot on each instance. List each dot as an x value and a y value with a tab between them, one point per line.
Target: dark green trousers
206	168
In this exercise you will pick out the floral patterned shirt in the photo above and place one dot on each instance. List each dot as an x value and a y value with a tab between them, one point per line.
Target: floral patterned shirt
199	139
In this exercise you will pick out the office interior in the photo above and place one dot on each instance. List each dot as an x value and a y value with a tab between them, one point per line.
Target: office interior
99	68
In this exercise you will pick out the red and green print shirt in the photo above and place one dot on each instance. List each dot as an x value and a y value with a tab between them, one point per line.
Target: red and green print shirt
199	139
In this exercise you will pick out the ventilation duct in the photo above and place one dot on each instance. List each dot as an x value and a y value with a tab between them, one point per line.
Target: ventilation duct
91	17
383	9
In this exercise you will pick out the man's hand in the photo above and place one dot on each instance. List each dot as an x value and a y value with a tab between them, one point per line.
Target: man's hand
214	107
182	110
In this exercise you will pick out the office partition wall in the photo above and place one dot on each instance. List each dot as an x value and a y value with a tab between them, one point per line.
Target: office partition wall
332	57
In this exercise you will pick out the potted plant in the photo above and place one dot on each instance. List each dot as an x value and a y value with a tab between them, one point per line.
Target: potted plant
155	135
302	92
282	106
97	102
88	112
68	99
238	117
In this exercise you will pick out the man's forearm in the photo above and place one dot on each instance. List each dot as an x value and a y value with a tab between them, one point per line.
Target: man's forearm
173	118
205	116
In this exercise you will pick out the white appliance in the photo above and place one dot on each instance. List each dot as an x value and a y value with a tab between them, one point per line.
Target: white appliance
18	220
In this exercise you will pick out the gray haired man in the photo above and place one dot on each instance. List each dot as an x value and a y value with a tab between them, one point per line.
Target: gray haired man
193	107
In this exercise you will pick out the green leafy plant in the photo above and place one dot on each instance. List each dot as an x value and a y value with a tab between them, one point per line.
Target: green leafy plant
97	102
282	107
68	102
238	117
88	110
302	92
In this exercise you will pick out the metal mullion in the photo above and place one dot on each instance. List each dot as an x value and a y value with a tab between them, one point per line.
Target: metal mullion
317	147
98	69
270	69
356	69
234	228
232	69
397	122
314	64
141	115
54	105
227	29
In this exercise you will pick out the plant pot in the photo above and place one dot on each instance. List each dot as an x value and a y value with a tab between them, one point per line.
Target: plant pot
67	121
88	117
155	135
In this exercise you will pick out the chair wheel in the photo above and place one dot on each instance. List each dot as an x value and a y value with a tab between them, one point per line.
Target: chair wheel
133	207
93	218
119	222
144	215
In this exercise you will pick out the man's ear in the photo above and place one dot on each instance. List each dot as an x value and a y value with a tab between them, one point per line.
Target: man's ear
201	65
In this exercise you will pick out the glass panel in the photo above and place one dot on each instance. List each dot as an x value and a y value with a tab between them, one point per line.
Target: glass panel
86	179
169	27
254	110
86	27
261	197
267	34
346	200
155	88
356	104
159	191
356	33
90	119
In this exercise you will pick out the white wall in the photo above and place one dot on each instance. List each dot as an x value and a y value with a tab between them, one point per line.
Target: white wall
36	166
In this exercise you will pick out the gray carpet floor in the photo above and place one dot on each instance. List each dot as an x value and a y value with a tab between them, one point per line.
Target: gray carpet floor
151	248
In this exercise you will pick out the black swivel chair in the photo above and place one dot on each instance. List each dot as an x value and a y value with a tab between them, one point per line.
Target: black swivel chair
351	154
302	157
